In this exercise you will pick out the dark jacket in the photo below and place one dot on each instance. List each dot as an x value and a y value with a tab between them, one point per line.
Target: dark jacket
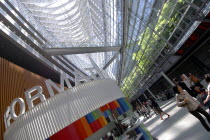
183	85
155	104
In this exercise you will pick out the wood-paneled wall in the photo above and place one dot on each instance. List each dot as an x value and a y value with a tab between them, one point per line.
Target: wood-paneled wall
14	80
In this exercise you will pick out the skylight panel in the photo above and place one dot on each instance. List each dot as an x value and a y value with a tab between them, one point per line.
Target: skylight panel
44	4
58	3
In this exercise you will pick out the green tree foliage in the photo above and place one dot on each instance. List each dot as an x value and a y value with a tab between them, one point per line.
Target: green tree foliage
152	40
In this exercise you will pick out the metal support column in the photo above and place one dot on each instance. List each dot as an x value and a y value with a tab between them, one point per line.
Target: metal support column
80	50
151	93
139	101
145	96
166	77
125	6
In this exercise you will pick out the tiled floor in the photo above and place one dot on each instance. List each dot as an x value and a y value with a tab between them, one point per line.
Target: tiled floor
180	126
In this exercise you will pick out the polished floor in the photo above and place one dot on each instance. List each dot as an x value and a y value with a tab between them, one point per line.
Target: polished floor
180	126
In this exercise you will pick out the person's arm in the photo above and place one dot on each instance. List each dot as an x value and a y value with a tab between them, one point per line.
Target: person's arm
192	98
180	103
207	98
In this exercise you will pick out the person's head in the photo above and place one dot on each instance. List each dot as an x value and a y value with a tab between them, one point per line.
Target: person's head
207	78
176	81
196	88
182	77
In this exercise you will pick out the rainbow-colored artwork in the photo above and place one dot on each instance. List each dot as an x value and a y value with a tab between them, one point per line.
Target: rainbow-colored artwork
117	107
92	122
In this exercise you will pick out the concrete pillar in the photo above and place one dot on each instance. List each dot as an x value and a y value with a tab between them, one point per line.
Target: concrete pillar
151	93
166	77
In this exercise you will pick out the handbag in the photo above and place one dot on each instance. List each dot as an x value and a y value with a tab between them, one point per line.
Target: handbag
180	100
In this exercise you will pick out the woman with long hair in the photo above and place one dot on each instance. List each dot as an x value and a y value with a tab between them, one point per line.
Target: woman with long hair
158	109
184	99
186	80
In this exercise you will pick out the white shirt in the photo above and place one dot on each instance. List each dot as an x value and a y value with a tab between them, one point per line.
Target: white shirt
187	83
208	88
191	104
186	80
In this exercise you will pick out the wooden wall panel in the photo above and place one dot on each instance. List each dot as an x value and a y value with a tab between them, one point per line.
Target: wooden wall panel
14	80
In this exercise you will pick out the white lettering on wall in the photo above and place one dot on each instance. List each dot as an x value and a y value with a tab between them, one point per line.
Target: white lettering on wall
7	117
30	99
49	83
80	77
22	108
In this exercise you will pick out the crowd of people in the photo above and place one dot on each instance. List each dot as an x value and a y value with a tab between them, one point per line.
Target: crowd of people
165	95
145	108
192	95
191	84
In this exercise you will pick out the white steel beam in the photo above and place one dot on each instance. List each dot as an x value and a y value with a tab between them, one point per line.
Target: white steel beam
79	50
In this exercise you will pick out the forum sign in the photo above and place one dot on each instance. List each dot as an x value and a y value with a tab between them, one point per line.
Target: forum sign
11	114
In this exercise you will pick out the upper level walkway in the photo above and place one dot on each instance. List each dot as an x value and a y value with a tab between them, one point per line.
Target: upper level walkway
180	126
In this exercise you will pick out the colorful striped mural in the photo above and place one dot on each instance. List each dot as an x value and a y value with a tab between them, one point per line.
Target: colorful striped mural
92	122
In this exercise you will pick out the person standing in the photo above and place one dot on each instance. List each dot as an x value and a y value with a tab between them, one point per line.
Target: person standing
186	80
146	105
183	85
207	78
158	109
141	109
201	94
195	80
149	102
184	99
145	111
138	109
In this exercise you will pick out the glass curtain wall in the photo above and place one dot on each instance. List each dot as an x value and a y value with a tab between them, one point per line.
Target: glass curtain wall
155	27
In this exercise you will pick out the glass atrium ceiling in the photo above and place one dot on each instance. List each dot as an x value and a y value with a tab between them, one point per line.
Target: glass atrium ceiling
147	31
77	23
73	23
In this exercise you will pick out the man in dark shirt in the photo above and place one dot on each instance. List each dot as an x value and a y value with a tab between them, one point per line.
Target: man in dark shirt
183	85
